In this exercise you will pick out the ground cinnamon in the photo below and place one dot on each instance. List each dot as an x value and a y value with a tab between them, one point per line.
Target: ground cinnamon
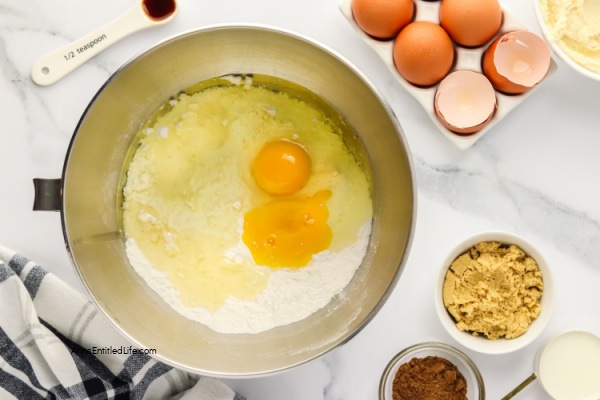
429	378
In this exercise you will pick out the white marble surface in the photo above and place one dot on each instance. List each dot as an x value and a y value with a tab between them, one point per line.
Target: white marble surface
536	173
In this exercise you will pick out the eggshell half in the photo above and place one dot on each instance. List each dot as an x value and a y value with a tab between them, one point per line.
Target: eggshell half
465	102
516	62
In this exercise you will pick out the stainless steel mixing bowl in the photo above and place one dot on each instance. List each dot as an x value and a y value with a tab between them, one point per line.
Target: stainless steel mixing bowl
91	196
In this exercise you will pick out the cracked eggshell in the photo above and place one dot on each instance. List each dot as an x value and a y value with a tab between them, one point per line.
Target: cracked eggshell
516	62
465	102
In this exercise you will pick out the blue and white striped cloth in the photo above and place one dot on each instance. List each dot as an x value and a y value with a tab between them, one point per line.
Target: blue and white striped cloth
48	333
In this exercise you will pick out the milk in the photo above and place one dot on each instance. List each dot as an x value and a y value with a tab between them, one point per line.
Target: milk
569	367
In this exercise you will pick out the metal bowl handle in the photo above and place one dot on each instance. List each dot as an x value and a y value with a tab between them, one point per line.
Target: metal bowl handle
48	194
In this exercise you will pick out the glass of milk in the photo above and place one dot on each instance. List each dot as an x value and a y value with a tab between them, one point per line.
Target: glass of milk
568	367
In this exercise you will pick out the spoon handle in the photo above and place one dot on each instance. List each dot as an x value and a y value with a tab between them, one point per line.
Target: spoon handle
55	65
521	386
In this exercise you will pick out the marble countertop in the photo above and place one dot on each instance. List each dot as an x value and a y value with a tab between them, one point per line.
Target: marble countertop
536	173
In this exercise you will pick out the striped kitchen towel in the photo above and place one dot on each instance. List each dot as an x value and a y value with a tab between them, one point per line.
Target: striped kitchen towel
53	346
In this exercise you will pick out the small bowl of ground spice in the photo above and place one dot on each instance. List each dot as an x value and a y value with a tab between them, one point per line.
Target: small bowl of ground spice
431	371
495	293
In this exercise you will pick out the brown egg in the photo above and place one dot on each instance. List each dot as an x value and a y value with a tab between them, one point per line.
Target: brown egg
471	23
382	19
516	61
423	53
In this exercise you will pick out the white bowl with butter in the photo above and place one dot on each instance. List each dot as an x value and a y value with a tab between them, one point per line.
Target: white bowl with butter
572	29
501	337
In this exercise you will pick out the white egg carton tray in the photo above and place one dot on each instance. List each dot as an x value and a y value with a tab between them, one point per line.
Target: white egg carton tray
465	59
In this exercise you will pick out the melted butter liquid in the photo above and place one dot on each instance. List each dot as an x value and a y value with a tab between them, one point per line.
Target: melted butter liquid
189	183
196	262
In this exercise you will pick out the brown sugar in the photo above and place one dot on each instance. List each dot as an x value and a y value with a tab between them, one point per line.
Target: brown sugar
494	290
429	378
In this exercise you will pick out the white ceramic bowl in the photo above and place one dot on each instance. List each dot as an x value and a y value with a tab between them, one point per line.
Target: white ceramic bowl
475	385
480	343
547	33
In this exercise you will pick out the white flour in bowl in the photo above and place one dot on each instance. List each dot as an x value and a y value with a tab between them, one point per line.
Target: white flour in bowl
290	295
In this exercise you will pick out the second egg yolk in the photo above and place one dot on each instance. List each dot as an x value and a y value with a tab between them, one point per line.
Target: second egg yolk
281	167
287	232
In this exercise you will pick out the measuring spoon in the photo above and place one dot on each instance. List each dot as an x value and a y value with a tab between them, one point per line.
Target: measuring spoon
147	13
568	368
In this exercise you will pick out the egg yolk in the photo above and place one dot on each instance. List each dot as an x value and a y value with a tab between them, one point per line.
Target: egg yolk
287	232
281	167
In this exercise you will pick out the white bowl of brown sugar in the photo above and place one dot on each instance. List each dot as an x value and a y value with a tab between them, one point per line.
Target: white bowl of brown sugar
494	293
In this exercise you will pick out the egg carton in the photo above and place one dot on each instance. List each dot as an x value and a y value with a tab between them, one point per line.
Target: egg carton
465	59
